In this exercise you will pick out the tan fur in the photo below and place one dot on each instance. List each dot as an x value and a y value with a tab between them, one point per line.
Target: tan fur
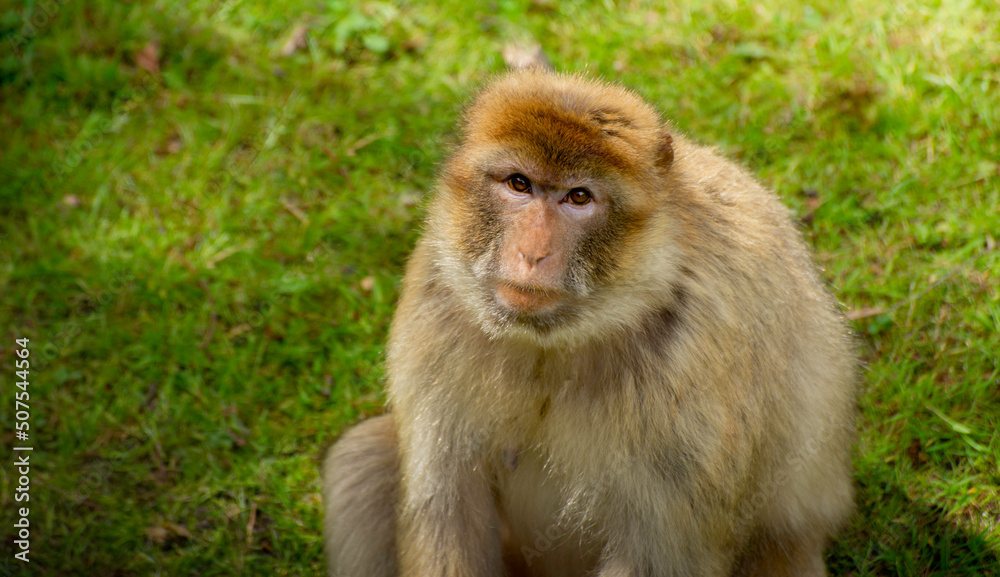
360	533
688	410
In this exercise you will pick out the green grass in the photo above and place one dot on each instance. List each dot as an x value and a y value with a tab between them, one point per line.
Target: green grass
206	258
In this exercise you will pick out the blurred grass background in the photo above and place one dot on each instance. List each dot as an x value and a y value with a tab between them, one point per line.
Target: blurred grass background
205	208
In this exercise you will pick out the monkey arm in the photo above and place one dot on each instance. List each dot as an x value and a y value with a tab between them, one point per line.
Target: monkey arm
448	522
657	546
655	525
447	519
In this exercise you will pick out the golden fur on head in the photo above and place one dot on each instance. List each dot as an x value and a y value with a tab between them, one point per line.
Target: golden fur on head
564	122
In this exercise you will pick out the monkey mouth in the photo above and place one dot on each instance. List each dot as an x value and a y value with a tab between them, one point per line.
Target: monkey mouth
526	300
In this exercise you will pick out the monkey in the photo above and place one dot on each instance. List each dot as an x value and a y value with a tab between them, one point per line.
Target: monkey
613	355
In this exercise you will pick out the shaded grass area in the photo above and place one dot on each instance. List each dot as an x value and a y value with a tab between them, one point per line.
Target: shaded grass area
204	241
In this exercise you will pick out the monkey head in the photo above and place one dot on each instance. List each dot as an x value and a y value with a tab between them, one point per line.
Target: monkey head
555	176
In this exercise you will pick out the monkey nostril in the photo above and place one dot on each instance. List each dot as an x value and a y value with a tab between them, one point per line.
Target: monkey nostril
532	259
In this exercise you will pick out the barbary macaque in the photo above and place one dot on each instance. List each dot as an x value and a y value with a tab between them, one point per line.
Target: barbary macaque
612	356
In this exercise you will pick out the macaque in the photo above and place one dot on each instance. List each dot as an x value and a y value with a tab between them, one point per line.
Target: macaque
612	356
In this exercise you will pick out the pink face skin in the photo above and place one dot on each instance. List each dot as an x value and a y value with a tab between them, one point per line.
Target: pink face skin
546	222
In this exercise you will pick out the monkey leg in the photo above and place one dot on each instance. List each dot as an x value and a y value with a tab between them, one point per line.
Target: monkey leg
360	487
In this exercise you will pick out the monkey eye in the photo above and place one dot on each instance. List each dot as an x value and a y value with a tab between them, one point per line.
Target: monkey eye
579	196
519	182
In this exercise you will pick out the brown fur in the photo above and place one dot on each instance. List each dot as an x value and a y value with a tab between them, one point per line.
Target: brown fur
686	409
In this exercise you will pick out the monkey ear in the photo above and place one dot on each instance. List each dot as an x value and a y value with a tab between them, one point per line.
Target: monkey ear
665	151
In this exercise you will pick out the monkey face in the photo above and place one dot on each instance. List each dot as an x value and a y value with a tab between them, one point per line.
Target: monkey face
537	240
537	265
543	197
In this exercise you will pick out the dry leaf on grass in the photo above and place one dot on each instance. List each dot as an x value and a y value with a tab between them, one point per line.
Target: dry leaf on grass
865	313
521	56
295	42
167	533
149	57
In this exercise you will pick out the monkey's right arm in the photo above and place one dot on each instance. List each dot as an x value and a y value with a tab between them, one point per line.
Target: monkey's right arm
447	518
447	523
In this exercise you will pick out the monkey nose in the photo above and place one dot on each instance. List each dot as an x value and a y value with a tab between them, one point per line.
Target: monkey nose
532	259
